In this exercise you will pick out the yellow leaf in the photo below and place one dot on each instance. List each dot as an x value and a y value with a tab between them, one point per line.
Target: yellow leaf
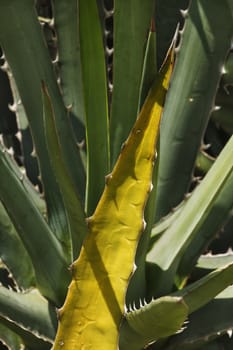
94	307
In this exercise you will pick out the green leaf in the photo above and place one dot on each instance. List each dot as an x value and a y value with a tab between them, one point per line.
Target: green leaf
25	50
42	246
29	160
95	101
204	161
218	216
30	311
29	340
9	338
11	246
209	262
204	290
161	226
171	246
158	319
73	206
67	30
149	66
206	324
144	320
204	43
131	24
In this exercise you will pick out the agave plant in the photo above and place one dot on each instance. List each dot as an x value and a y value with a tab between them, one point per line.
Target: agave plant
108	217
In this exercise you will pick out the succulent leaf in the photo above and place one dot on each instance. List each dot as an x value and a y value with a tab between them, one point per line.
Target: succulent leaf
94	305
68	45
204	290
9	338
209	262
11	246
95	101
187	225
210	322
219	215
203	47
51	273
158	319
29	311
131	24
73	205
23	42
28	340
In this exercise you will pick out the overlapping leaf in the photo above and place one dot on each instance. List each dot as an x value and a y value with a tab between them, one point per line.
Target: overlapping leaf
94	305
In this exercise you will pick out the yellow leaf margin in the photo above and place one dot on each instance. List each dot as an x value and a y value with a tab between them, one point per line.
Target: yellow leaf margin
94	307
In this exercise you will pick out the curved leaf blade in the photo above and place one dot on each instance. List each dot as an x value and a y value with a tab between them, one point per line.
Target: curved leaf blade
171	246
30	311
207	323
44	249
158	319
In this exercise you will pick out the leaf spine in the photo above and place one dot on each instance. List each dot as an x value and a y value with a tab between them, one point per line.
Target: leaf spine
184	13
